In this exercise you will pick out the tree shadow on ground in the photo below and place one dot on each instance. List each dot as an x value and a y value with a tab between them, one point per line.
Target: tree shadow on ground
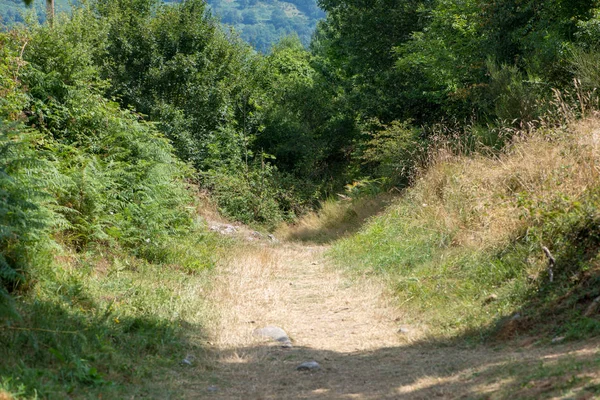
65	350
88	353
413	371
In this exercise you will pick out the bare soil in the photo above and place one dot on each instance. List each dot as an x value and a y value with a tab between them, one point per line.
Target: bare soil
351	328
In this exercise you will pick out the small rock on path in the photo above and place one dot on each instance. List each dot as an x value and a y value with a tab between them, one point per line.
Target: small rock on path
276	334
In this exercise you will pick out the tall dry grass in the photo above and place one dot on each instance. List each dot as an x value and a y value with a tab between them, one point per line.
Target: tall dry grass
471	227
479	196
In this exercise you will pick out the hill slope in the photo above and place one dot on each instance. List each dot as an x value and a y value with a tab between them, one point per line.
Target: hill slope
263	23
260	23
463	248
12	11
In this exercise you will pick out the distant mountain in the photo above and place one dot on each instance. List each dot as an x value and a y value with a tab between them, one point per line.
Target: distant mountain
11	11
260	22
263	22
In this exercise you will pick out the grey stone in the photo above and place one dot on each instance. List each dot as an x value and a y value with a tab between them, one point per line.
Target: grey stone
188	360
223	229
558	339
212	389
309	366
275	333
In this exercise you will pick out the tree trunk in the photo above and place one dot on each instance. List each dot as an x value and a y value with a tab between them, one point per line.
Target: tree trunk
50	11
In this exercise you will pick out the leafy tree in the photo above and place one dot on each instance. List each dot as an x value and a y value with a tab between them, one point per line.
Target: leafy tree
279	18
358	40
175	65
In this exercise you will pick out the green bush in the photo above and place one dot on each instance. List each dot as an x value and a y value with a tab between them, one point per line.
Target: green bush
249	196
123	183
395	150
25	209
517	99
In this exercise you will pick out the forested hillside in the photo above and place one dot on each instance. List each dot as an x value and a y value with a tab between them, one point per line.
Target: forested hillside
260	23
264	23
12	11
122	121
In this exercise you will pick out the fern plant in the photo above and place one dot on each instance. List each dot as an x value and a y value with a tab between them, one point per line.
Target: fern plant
26	215
123	184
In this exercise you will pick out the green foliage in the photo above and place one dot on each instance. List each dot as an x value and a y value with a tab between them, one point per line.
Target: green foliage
514	97
209	93
304	121
584	63
25	210
431	64
25	204
123	183
394	151
85	170
175	65
357	40
95	215
260	193
248	197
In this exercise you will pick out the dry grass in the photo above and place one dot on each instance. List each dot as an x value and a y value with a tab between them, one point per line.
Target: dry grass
335	219
351	329
206	207
478	196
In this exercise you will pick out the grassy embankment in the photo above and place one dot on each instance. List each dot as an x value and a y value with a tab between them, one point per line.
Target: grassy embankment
105	323
462	248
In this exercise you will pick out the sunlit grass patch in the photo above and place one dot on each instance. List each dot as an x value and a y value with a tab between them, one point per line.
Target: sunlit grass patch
334	219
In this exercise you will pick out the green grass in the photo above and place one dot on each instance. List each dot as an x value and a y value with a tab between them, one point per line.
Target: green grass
102	323
432	278
563	375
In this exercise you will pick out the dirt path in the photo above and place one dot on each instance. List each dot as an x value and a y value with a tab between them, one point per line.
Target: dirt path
352	332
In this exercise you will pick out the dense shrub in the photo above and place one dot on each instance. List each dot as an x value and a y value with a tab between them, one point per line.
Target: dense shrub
26	207
123	182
